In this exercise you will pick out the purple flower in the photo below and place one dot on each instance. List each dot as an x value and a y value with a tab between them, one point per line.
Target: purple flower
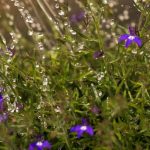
77	17
1	102
11	51
98	54
95	110
3	117
130	38
81	128
40	145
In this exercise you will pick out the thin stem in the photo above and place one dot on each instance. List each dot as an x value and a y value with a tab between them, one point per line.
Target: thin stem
37	14
9	83
50	9
47	14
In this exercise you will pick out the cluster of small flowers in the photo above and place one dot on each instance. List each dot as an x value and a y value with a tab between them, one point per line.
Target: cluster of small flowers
80	129
84	127
130	38
42	144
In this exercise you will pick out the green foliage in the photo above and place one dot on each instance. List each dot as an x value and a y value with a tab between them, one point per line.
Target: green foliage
61	82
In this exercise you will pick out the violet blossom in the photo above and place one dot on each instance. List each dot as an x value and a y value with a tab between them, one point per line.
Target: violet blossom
82	128
130	38
1	102
77	17
40	145
98	54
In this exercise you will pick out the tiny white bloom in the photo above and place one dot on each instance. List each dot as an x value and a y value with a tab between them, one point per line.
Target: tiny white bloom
83	128
39	143
131	37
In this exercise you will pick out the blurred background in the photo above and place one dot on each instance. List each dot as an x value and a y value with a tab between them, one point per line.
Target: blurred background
27	16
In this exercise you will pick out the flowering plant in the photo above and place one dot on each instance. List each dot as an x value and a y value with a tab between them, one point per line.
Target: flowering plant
61	60
130	38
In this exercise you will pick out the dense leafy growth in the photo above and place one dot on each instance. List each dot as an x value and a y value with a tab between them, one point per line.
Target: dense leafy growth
58	66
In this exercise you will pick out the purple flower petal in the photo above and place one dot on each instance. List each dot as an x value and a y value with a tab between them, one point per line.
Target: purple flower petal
77	17
128	43
123	37
73	18
1	102
84	121
90	130
80	129
80	16
40	145
132	31
138	41
98	54
46	144
32	146
132	37
79	133
75	128
1	99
